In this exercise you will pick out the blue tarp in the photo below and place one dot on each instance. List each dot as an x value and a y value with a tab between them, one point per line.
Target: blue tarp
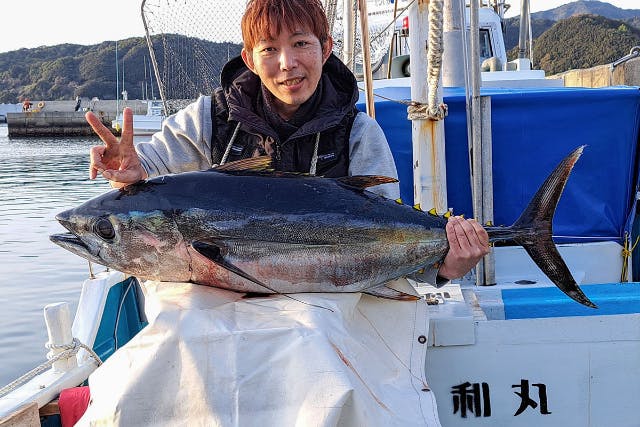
533	130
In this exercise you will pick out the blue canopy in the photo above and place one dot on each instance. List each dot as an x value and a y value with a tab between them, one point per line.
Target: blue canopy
533	130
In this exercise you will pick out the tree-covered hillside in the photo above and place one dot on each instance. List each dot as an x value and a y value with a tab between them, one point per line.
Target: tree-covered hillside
66	71
543	21
583	41
587	7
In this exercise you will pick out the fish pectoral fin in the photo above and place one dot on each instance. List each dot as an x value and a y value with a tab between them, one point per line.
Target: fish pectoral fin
399	289
361	182
214	253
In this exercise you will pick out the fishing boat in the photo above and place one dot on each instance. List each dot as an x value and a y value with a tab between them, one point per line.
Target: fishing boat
502	346
144	124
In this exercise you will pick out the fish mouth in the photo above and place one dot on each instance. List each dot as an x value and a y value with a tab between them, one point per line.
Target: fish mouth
73	243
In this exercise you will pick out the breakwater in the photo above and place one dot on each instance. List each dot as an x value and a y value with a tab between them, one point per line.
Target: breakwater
60	118
51	124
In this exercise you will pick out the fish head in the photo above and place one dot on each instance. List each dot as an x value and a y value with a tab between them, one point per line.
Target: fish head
130	230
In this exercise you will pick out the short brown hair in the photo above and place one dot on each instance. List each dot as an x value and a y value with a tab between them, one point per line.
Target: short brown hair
264	18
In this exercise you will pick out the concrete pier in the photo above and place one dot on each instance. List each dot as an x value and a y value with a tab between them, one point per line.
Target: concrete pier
627	74
52	124
59	118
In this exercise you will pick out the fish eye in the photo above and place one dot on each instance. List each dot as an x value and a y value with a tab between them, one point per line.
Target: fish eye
104	229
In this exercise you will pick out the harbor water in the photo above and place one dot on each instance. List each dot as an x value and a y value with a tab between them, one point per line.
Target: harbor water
39	177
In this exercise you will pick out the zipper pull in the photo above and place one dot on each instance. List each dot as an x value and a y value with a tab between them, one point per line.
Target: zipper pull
278	154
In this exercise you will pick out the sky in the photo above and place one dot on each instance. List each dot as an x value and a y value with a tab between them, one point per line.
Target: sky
34	23
540	5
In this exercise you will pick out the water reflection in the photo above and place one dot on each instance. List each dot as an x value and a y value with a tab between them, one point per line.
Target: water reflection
39	177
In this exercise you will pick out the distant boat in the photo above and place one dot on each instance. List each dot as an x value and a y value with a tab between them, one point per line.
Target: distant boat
144	124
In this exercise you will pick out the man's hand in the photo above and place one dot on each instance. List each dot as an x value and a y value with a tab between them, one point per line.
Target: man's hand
468	243
116	160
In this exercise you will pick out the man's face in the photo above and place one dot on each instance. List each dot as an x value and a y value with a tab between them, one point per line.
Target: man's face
289	66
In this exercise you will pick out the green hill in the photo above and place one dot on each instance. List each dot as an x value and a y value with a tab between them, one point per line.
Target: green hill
585	7
543	21
66	71
582	42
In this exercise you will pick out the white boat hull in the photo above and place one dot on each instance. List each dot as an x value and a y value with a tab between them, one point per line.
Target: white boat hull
572	371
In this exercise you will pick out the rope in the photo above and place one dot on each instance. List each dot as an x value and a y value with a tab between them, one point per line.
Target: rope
70	350
419	111
626	254
435	109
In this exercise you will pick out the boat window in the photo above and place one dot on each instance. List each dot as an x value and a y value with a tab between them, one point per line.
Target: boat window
485	45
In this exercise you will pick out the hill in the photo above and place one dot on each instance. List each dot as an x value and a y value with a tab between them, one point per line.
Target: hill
542	21
571	43
586	7
65	71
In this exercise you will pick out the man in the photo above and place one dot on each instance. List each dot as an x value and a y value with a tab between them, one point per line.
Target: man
288	97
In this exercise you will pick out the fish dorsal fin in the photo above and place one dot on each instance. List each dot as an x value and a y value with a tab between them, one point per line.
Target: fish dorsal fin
361	182
255	164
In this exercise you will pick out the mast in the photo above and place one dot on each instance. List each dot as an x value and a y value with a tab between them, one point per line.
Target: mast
453	57
117	82
366	58
525	23
480	153
154	62
348	22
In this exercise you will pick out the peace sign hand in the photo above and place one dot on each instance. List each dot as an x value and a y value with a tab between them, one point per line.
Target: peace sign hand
117	159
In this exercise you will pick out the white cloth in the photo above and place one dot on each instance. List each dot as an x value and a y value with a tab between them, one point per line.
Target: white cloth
210	358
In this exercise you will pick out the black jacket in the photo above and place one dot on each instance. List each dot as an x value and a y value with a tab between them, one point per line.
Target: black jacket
236	102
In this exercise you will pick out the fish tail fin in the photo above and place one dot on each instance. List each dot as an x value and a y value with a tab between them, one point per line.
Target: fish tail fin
533	230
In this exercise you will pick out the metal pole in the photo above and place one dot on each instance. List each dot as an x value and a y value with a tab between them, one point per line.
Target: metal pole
476	123
429	166
156	70
488	262
393	38
366	58
524	29
453	56
117	83
349	42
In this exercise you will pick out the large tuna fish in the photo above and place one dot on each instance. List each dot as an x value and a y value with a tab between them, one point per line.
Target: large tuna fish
249	230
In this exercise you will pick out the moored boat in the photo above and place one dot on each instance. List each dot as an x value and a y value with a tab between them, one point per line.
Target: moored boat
144	124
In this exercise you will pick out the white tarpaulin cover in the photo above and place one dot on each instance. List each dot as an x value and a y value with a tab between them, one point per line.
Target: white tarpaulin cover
210	358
